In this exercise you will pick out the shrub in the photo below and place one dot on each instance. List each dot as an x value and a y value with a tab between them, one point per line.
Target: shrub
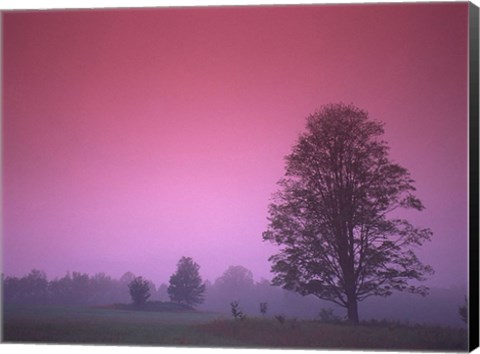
280	318
326	315
237	313
263	308
463	311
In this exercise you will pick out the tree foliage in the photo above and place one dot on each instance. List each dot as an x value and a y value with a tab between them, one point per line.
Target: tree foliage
463	311
30	289
186	285
235	278
74	288
139	290
237	313
332	215
263	308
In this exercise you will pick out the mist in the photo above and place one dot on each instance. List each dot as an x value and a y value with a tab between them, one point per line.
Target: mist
136	138
149	135
440	307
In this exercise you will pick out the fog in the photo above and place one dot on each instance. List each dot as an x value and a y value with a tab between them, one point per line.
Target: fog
133	138
235	284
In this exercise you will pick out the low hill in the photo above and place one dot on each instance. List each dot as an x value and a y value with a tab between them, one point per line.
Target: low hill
152	306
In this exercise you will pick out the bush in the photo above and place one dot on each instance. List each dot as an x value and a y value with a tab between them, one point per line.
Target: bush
280	318
326	315
263	308
463	311
237	313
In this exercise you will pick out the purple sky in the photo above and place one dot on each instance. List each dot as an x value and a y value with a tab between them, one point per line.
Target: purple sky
135	137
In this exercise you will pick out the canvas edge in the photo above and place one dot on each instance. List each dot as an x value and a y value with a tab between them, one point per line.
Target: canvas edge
473	321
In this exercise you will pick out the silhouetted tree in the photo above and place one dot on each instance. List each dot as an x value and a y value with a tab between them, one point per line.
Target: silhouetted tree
235	283
331	216
102	289
235	279
60	290
327	315
186	285
30	289
122	291
280	318
152	288
36	285
139	290
463	311
263	308
81	290
162	292
237	313
127	278
72	289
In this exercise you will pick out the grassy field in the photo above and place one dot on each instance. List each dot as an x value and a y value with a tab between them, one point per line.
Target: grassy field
56	324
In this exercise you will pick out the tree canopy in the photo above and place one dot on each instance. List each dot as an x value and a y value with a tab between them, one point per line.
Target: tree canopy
236	278
332	215
186	285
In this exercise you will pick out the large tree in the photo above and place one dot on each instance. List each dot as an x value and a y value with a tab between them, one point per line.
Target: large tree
186	285
333	214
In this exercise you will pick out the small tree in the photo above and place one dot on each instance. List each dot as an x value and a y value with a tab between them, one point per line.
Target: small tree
463	311
237	313
326	315
186	286
280	319
263	308
139	290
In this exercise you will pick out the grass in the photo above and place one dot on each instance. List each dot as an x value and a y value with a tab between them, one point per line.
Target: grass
151	306
314	334
57	324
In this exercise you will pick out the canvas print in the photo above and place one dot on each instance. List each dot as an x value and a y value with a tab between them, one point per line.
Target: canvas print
289	177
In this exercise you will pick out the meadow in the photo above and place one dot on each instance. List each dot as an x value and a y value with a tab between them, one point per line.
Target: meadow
59	324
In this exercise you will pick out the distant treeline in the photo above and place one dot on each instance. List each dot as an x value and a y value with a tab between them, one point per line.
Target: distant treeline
72	289
235	284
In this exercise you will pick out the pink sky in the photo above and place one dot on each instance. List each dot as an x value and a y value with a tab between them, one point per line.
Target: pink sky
134	137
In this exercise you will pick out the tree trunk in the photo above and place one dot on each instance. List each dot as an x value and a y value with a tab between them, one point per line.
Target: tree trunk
352	310
352	307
